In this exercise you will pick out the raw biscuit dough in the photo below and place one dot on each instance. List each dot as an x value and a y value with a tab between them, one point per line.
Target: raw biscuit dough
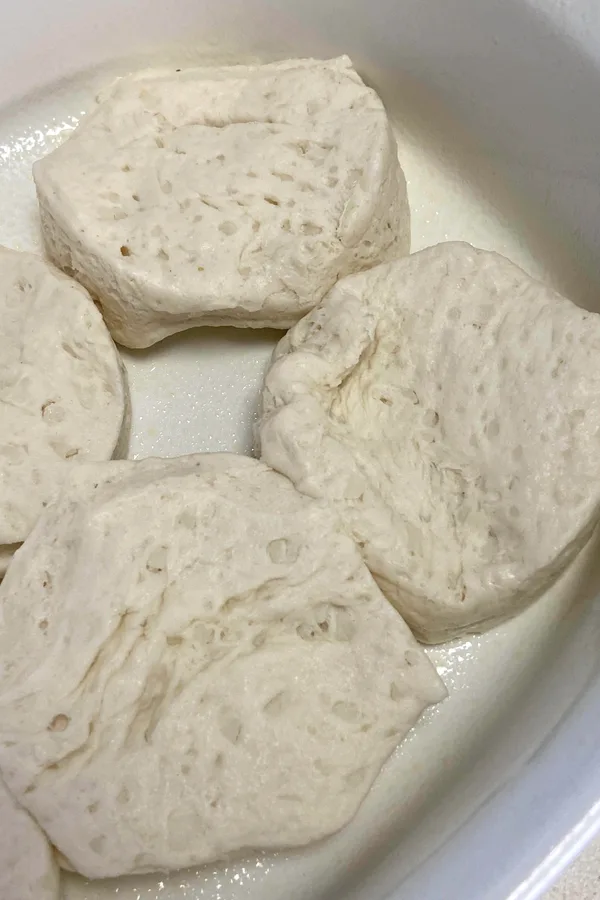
224	196
194	660
448	405
28	869
63	397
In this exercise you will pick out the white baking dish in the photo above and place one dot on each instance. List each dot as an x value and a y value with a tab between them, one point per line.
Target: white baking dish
491	797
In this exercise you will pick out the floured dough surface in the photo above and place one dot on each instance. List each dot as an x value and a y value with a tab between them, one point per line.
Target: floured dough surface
215	196
449	406
194	660
62	393
28	870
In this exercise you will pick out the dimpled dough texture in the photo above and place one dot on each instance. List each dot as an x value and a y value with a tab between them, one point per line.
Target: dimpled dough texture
449	406
195	660
220	196
62	392
28	870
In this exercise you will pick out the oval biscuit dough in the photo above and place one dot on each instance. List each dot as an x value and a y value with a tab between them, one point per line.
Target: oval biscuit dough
224	196
63	396
28	868
448	405
194	660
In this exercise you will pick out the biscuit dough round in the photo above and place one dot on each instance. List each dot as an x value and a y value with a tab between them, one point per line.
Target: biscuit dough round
224	196
194	660
63	396
448	405
28	868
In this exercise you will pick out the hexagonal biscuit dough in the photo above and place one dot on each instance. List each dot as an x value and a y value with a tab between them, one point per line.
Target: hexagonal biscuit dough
194	660
224	196
448	405
63	396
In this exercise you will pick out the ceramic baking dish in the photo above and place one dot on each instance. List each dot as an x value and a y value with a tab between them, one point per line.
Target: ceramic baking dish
497	110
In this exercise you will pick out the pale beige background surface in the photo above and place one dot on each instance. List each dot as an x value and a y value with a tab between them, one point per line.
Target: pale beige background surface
582	879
